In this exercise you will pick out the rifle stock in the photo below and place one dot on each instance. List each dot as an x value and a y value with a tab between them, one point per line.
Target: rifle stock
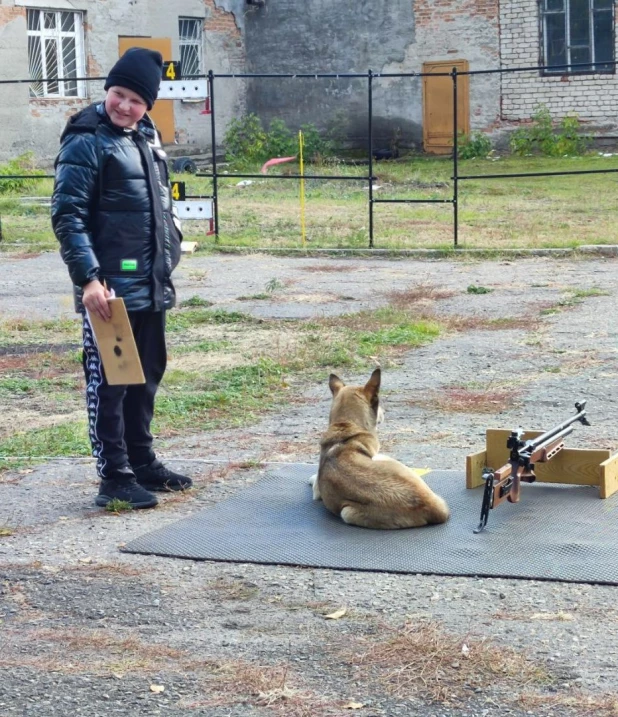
505	483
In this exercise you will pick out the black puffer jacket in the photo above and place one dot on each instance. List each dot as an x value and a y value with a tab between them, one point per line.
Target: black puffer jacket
112	212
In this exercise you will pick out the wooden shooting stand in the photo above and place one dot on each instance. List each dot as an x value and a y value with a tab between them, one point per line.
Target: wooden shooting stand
573	466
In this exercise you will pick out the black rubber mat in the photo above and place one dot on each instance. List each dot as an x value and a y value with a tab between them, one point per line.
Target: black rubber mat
556	532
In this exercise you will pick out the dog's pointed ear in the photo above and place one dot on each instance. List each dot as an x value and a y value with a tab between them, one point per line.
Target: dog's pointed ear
335	384
372	387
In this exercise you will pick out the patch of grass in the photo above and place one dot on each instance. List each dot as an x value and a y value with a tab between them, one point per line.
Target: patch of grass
492	218
329	268
19	331
118	506
405	298
586	293
235	396
195	301
21	385
105	651
182	320
426	661
255	297
202	347
459	399
63	439
410	335
572	298
276	688
603	705
474	289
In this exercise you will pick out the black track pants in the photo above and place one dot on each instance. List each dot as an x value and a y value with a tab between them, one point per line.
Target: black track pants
119	417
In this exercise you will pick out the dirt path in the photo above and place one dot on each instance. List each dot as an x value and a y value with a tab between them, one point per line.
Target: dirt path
86	629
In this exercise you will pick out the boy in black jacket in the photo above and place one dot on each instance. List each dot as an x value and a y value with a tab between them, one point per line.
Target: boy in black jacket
113	217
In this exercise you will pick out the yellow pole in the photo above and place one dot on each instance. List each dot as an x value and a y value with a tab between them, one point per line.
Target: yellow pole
302	188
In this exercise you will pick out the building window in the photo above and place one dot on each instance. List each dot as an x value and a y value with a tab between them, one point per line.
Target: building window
578	32
191	46
56	53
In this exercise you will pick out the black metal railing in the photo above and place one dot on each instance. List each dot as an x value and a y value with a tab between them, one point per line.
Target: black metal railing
370	76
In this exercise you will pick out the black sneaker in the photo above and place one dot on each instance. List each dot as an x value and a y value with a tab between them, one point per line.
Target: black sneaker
121	485
155	476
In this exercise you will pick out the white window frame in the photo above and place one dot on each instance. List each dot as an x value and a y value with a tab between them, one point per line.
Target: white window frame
58	35
592	10
192	42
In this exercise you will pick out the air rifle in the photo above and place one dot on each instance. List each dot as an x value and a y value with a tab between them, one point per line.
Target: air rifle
505	483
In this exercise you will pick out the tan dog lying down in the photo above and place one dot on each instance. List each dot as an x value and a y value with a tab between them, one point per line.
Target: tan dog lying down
355	481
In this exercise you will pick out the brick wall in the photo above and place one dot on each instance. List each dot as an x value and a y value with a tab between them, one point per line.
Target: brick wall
467	30
593	97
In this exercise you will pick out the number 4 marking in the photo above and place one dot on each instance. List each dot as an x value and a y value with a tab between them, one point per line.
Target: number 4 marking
172	70
179	191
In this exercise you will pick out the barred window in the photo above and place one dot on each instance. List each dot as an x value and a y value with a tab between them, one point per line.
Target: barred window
56	53
578	32
190	35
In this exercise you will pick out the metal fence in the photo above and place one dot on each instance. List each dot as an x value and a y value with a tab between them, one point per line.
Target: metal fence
212	83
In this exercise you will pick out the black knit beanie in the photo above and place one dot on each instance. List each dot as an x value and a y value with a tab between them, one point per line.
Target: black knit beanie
139	70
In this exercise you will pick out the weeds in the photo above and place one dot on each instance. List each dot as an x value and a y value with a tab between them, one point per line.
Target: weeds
118	506
424	660
473	289
22	165
195	301
547	137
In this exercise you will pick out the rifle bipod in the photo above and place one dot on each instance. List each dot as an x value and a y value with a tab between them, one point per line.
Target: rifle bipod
488	498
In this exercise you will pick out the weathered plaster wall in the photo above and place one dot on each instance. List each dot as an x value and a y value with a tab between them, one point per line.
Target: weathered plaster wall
384	36
37	124
593	97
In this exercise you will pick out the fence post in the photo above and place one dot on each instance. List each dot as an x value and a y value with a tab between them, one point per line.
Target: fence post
213	139
370	145
455	161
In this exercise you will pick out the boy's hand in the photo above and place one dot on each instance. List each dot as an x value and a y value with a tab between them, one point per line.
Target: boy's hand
95	299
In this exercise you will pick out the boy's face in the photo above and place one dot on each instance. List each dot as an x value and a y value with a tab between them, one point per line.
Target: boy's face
124	107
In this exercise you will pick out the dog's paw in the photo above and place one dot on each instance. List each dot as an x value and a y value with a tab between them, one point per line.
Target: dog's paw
313	482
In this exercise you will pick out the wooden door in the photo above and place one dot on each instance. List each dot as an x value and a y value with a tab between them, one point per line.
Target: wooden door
163	111
438	105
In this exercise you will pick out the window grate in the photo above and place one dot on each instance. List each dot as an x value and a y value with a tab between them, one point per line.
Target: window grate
56	53
191	42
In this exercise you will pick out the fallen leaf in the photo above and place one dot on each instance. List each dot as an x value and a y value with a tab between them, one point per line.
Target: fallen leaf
157	688
87	561
353	706
336	615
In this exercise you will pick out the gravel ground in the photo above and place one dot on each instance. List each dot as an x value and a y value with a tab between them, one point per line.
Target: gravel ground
87	629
